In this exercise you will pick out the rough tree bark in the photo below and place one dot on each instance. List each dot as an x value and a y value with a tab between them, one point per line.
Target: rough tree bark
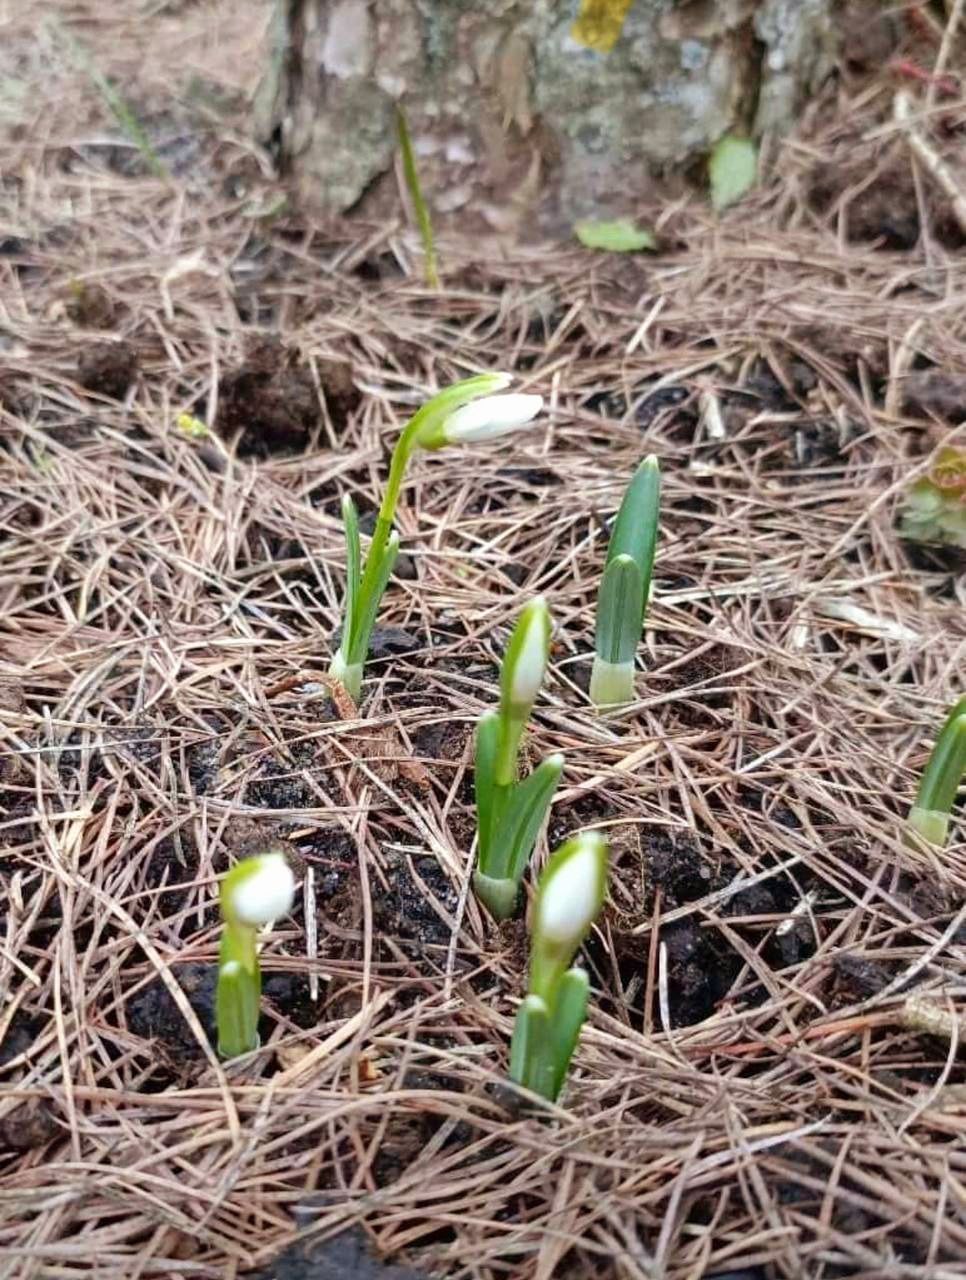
528	113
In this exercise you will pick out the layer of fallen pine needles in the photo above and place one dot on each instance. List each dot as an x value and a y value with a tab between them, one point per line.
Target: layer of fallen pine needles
750	1088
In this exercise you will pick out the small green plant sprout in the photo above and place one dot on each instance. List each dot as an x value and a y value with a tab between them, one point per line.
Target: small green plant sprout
253	894
466	413
625	588
935	506
510	812
941	779
569	898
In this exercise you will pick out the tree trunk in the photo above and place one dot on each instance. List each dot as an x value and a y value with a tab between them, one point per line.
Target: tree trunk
528	114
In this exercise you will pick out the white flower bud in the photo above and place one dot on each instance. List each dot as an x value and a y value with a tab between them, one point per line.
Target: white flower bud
530	661
571	897
489	417
266	893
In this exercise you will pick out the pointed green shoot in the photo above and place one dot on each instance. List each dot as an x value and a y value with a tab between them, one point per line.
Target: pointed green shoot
521	675
625	587
569	898
636	527
569	1015
531	1064
941	779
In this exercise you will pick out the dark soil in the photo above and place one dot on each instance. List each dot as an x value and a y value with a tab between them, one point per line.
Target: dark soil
270	404
420	892
28	1127
108	368
345	1257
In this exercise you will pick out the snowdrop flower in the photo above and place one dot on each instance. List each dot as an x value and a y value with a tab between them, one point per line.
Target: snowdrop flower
265	891
490	417
572	892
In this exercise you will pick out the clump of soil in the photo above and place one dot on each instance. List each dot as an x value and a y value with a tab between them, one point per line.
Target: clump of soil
934	393
108	368
420	896
270	403
883	209
153	1014
345	1257
28	1127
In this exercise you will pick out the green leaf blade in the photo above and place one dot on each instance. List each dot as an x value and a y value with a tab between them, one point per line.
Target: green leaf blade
638	519
732	170
569	1015
531	1064
620	612
618	235
525	814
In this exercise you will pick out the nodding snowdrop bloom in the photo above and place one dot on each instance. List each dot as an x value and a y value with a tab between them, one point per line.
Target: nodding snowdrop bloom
253	894
489	418
467	412
264	892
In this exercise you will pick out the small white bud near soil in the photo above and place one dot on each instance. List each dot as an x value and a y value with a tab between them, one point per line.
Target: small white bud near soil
266	893
571	898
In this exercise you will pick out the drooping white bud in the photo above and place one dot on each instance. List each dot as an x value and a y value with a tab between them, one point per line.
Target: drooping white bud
265	893
571	896
490	417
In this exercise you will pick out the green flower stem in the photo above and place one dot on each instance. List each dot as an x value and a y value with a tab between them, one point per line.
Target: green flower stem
363	593
238	993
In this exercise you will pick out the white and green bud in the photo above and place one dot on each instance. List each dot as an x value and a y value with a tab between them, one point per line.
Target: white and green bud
253	894
511	811
569	899
490	418
258	890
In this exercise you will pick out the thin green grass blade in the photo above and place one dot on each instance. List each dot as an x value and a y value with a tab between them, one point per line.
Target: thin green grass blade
122	113
353	551
525	814
568	1016
420	208
943	774
371	591
620	611
487	748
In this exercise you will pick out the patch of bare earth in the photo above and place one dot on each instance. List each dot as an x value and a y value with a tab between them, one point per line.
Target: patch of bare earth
745	1093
